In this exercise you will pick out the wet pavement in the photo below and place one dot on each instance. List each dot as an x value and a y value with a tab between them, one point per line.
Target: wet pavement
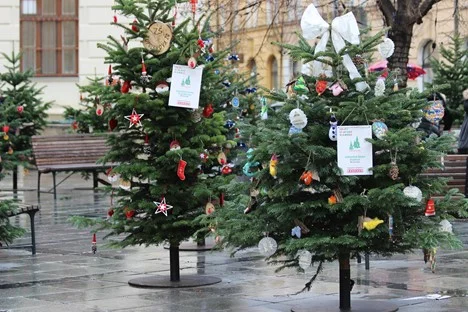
65	275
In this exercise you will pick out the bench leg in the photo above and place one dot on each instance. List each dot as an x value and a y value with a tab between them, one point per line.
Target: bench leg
55	188
95	179
33	232
366	260
38	184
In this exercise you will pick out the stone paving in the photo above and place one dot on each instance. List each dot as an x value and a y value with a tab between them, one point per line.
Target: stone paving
66	276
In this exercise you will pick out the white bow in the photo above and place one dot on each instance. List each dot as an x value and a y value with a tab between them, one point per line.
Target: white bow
342	28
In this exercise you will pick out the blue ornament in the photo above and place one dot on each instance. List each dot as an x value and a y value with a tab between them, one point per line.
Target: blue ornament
229	124
296	231
294	130
241	145
379	128
209	58
250	90
216	71
233	57
235	102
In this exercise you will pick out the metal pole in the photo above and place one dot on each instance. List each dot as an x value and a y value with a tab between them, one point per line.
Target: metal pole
174	262
345	281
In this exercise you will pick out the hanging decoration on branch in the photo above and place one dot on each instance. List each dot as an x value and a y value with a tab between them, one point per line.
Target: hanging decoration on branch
298	120
144	78
267	246
343	28
379	89
159	37
370	224
94	244
380	129
162	206
181	169
332	133
413	192
386	48
430	208
134	118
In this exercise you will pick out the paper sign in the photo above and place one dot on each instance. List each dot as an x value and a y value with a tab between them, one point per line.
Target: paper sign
185	86
354	152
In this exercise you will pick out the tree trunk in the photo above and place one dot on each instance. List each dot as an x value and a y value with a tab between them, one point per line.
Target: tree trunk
401	34
174	262
345	281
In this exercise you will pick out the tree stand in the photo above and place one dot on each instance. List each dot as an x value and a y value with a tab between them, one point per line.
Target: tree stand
329	305
201	244
174	281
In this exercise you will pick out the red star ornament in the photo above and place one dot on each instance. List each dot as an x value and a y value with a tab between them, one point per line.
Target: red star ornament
162	207
134	118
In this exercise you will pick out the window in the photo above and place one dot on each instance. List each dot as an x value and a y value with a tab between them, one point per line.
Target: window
274	74
49	37
272	11
426	54
252	67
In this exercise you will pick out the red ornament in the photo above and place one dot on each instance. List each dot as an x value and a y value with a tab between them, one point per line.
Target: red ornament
162	207
306	177
193	4
143	68
110	212
112	124
192	62
208	110
20	109
135	26
174	145
99	110
115	18
6	128
204	157
129	213
126	87
181	169
74	125
200	43
321	86
430	208
211	50
226	169
134	118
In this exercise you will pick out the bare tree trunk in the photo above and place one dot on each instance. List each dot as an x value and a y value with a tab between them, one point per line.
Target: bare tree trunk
401	35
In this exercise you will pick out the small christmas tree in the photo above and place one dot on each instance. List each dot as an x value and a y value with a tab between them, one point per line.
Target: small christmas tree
22	114
170	138
336	171
451	73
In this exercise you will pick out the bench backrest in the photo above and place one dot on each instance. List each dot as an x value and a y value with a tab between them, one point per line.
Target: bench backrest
69	149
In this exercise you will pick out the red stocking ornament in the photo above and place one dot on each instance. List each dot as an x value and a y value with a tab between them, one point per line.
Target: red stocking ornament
181	169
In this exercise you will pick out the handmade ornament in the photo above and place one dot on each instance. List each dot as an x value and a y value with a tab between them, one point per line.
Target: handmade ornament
159	38
174	145
247	169
193	5
161	87
20	109
300	85
222	159
380	129
379	89
144	78
273	164
5	129
430	208
413	192
445	226
370	224
126	86
321	86
250	90
336	89
181	169
390	226
296	231
146	145
233	57
304	258
297	118
110	212
134	118
264	109
386	48
208	110
434	111
209	208
125	184
306	177
204	156
129	213
226	169
112	124
192	62
135	27
209	58
10	150
94	244
395	85
112	176
99	110
343	28
162	206
332	132
332	200
394	171
235	102
267	246
229	124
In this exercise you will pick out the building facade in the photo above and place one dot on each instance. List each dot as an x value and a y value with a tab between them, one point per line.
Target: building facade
59	38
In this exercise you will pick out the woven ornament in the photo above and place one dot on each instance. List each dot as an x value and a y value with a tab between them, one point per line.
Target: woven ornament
379	89
386	48
394	171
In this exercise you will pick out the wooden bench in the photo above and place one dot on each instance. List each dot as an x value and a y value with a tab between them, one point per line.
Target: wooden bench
69	153
31	210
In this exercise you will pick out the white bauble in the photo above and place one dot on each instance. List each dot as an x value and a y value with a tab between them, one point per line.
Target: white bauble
305	258
386	48
298	118
413	192
445	226
267	246
379	89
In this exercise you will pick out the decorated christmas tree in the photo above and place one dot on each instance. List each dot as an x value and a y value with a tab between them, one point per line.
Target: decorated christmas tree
171	135
336	171
22	115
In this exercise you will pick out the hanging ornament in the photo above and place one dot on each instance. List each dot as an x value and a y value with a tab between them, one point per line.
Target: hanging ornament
221	199
193	5
209	208
370	224
124	43
112	176
296	231
267	246
395	85
304	258
394	171
300	85
445	226
110	213
386	48
10	150
161	87
115	18
135	27
110	81
162	206
112	124
306	177
174	145
126	86
430	208
229	124
413	192
94	244
158	38
209	58
379	89
235	102
181	169
222	159
233	57
226	82
273	164
332	133
208	110
20	109
250	90
380	129
226	169
129	213
192	62
5	129
321	86
99	110
125	184
204	156
434	111
336	88
390	226
75	125
264	109
144	78
332	200
134	118
146	145
297	118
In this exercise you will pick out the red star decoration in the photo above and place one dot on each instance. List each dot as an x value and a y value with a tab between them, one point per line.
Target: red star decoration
134	118
162	207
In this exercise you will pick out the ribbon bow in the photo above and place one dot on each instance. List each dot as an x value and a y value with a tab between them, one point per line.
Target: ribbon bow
342	28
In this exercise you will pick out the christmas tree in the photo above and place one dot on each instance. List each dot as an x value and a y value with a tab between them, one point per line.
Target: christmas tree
22	115
451	74
336	171
170	125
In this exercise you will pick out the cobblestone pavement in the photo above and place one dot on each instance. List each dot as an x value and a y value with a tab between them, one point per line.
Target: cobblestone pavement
66	276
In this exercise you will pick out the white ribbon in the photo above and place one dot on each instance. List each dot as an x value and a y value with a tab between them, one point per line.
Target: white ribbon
342	28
